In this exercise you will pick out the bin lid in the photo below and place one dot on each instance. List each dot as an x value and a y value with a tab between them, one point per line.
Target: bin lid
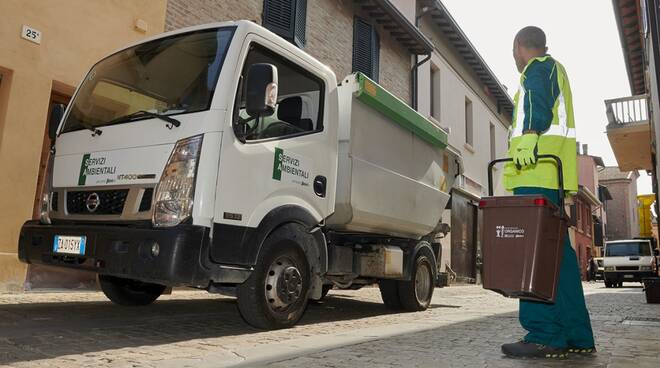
530	200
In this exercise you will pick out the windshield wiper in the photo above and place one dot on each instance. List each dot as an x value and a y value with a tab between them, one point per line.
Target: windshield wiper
95	131
142	114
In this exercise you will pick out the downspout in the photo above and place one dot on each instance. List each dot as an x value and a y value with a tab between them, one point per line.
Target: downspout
414	77
414	72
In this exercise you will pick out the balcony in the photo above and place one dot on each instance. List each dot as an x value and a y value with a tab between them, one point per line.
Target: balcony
629	132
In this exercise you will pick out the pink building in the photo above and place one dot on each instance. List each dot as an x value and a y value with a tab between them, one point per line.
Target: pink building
587	220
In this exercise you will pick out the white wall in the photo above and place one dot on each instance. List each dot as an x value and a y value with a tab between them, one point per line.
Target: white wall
453	91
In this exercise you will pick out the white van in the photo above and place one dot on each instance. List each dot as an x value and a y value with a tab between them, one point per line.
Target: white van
224	158
628	260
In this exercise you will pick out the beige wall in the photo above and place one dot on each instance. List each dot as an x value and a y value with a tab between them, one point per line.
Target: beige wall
75	34
329	34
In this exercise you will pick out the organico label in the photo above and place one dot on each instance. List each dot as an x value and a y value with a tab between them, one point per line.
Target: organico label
291	168
509	232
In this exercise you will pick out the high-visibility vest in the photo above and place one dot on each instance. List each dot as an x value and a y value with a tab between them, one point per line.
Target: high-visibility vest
558	140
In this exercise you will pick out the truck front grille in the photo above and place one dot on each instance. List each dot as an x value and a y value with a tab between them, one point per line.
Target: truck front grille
96	202
147	197
627	268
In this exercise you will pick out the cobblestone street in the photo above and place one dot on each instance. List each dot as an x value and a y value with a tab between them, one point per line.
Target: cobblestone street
464	327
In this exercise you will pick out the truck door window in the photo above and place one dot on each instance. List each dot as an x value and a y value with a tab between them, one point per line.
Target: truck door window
299	107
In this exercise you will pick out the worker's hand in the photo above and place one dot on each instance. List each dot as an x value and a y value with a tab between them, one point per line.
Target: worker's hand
525	153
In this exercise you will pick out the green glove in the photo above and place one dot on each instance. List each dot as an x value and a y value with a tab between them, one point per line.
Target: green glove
525	153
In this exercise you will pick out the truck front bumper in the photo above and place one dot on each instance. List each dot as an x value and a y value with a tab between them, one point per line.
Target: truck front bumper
630	276
175	256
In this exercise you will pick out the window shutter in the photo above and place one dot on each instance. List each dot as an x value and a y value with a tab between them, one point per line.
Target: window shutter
286	18
366	49
300	24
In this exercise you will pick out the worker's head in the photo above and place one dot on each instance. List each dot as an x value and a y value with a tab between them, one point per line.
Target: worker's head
528	44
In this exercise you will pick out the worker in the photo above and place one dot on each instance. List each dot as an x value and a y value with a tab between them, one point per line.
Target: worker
543	124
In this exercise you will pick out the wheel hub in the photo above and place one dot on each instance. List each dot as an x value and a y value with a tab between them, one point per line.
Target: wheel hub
423	283
283	284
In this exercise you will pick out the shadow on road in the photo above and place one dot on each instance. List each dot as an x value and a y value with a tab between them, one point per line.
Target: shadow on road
46	330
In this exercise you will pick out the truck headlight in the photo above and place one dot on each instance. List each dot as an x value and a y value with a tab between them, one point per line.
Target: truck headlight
609	268
645	268
176	189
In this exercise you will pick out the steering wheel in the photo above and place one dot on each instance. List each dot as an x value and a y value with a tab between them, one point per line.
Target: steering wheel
277	124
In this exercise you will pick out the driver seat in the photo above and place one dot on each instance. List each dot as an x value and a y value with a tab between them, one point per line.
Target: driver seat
290	111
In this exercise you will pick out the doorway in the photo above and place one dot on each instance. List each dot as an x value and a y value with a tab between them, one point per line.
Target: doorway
46	277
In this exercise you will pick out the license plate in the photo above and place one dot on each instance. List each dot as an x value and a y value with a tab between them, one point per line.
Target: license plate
67	244
628	276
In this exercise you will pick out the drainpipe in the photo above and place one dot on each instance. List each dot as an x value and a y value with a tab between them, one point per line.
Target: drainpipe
414	72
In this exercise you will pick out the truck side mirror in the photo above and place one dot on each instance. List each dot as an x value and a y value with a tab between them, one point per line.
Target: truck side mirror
656	252
261	84
54	120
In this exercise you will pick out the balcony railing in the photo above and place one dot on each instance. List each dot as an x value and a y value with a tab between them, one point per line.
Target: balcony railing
627	110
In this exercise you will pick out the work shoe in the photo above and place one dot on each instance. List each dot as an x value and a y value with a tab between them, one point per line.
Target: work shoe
582	351
523	349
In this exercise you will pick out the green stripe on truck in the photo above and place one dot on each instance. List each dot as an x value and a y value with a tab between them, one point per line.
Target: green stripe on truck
375	96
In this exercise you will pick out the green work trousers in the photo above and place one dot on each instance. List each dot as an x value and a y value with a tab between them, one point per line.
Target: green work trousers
566	322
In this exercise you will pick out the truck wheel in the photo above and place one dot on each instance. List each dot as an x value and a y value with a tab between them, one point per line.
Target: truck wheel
129	292
275	294
415	295
389	292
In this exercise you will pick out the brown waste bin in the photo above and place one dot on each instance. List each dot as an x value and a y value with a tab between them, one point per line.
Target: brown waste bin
522	242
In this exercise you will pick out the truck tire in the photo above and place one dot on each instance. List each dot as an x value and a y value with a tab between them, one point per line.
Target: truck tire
276	293
129	292
416	294
608	284
389	292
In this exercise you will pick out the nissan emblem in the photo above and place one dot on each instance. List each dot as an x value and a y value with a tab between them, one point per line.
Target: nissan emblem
92	203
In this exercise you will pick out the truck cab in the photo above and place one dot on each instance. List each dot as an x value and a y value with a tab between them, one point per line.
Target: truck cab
224	158
629	260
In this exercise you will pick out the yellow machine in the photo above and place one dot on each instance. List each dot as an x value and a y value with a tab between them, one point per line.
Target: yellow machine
645	215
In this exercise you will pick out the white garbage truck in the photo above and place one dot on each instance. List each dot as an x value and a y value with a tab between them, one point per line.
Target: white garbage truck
224	158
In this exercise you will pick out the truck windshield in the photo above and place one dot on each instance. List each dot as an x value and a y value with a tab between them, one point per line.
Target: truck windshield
628	249
167	76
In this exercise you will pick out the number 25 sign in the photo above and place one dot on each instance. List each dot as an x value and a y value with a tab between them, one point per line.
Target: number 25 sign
31	34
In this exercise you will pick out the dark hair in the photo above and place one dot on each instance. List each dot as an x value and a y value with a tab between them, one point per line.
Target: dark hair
531	37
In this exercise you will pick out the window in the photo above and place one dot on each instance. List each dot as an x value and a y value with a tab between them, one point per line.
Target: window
366	49
435	92
169	76
469	128
299	104
493	148
287	18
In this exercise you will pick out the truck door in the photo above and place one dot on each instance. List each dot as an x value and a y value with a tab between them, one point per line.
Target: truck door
282	156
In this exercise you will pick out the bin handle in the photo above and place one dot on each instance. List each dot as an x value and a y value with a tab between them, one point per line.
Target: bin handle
560	176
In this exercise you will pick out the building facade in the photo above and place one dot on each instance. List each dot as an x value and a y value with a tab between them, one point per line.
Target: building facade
458	91
47	47
586	215
633	126
622	213
413	48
